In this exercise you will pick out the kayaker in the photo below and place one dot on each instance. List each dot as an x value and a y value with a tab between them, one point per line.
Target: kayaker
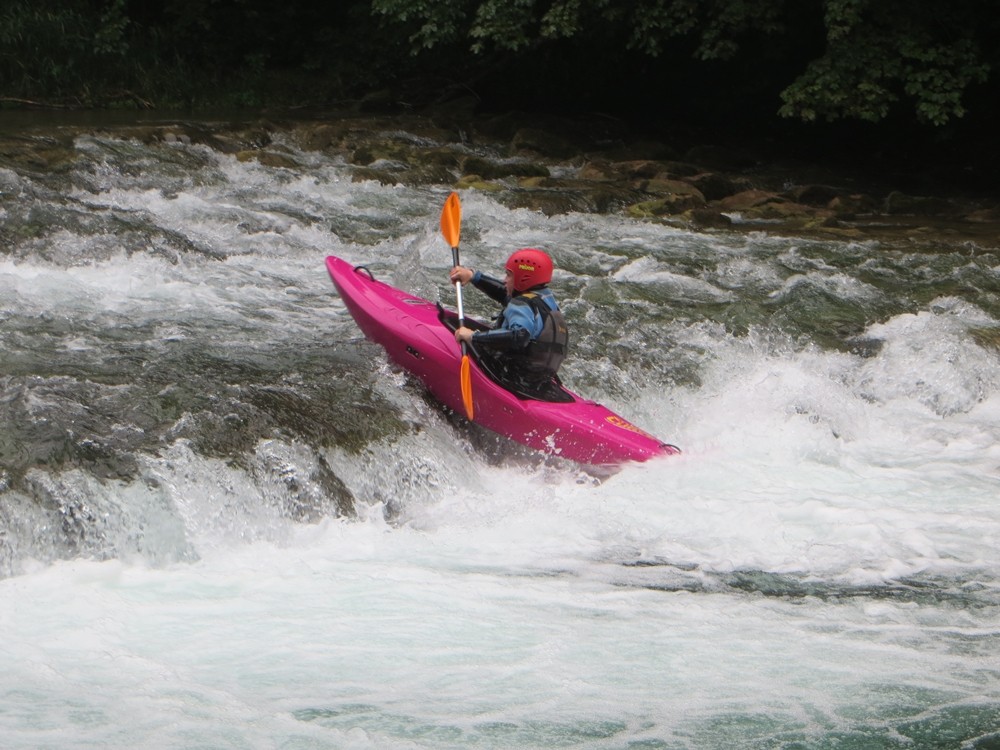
529	339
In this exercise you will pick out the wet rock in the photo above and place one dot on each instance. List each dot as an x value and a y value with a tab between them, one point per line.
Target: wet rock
370	154
495	170
37	153
983	215
987	337
396	173
548	202
555	165
667	206
814	195
320	136
392	148
431	174
232	141
675	190
852	205
171	137
312	489
707	218
610	198
268	159
898	202
542	142
747	200
441	157
790	211
681	169
644	178
475	182
865	347
715	186
601	171
362	156
643	169
383	177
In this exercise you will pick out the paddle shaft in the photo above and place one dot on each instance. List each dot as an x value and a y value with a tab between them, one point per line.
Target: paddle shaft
458	292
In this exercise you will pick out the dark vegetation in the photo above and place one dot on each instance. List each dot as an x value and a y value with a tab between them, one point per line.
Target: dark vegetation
913	78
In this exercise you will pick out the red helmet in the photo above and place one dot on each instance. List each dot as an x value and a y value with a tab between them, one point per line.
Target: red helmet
530	267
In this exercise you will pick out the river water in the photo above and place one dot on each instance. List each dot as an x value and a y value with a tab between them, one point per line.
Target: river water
227	522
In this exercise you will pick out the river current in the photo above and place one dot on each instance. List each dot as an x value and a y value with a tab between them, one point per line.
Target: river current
227	522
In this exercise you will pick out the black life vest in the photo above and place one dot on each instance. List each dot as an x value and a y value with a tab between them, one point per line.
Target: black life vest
547	352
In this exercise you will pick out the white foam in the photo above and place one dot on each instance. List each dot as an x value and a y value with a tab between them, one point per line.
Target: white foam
485	601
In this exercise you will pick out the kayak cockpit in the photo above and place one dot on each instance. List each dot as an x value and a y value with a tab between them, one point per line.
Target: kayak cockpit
493	367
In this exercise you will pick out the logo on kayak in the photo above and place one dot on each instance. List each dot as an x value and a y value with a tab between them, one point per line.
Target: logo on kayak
626	425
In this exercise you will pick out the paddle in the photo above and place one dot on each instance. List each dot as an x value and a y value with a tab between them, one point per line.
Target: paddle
451	228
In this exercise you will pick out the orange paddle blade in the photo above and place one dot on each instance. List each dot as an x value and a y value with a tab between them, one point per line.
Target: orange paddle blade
467	387
451	220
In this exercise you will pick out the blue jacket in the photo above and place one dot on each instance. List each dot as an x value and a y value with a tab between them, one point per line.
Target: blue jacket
518	325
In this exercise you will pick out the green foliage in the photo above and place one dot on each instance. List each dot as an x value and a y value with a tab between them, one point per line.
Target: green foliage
183	52
646	25
730	21
562	19
877	53
109	36
652	23
811	60
874	55
507	24
54	46
431	22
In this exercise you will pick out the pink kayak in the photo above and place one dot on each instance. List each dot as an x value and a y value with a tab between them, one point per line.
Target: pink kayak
413	335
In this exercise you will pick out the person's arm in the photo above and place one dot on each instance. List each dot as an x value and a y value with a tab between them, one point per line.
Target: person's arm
517	332
504	339
495	289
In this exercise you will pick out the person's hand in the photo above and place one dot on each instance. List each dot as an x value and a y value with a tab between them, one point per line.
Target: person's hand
461	274
463	335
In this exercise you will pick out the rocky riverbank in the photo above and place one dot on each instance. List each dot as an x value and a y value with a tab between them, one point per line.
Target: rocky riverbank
586	164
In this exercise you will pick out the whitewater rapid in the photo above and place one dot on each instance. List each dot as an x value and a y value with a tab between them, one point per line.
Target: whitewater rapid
274	539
